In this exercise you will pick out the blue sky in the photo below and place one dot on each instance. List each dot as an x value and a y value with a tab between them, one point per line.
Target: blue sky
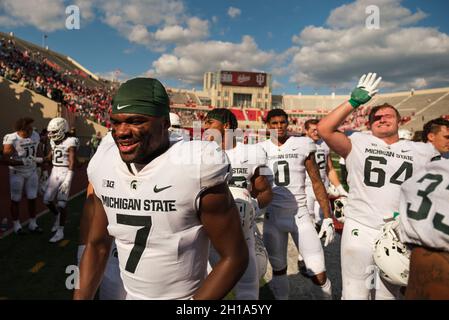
308	46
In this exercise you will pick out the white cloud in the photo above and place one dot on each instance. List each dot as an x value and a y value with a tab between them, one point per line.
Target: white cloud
144	12
390	11
234	12
45	15
276	84
86	10
404	55
215	19
8	22
196	29
153	23
189	62
139	34
115	75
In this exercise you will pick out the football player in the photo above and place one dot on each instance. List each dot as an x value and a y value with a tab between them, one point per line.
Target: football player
326	168
19	152
327	173
377	164
424	223
161	202
249	172
63	157
436	132
290	158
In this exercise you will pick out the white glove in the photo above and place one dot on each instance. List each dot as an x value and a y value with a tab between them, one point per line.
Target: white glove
38	159
328	230
65	185
341	191
366	89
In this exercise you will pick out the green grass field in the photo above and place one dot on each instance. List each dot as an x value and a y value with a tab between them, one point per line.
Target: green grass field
33	268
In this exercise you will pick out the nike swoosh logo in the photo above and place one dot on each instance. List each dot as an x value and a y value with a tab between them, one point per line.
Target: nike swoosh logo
119	107
405	150
244	161
156	189
294	149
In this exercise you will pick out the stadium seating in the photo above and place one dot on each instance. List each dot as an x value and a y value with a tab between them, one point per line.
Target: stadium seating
47	72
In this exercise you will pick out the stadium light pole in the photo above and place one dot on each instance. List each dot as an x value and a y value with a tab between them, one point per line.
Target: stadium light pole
44	37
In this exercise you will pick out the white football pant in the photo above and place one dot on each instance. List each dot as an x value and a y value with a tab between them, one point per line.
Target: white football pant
360	278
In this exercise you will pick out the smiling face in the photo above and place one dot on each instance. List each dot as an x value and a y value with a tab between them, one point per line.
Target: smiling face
385	123
139	138
312	132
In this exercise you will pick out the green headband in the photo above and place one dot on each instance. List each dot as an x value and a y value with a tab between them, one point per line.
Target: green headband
145	96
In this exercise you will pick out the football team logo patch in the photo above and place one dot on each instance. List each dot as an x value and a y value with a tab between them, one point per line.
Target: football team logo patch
108	183
133	185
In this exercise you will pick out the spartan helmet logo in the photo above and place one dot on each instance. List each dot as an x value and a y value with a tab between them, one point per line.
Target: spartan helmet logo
133	185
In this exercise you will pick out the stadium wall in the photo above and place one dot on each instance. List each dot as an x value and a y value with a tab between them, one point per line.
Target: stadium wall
17	102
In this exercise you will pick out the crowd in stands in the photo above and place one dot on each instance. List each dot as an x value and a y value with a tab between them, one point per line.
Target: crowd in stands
188	116
33	70
30	69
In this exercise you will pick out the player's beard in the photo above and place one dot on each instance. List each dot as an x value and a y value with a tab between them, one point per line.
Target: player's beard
147	149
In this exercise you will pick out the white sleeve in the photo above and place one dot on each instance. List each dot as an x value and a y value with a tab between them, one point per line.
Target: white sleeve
424	214
215	167
260	159
356	137
72	142
8	139
106	142
310	146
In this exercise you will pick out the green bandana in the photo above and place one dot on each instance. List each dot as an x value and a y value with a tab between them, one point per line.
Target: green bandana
142	96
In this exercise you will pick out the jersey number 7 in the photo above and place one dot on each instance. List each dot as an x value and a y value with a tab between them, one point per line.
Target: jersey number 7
140	242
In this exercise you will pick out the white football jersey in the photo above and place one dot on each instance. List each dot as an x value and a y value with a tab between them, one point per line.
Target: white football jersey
376	172
60	151
153	216
321	155
424	210
24	148
289	173
245	159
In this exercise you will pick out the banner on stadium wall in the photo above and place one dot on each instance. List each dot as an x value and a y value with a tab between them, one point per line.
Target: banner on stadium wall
243	79
53	65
